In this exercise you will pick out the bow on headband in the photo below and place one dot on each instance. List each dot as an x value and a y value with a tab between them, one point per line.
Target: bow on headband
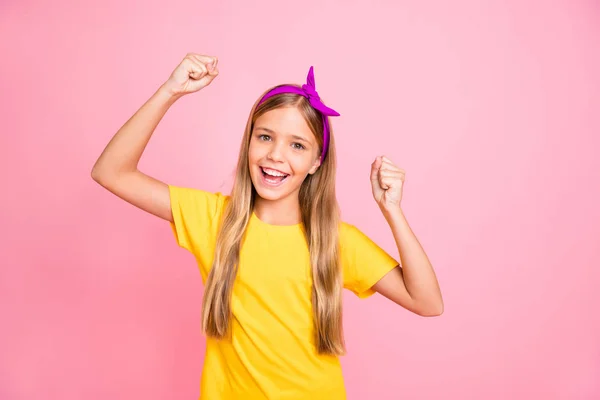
309	91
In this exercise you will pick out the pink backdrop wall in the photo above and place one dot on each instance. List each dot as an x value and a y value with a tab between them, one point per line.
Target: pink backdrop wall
491	108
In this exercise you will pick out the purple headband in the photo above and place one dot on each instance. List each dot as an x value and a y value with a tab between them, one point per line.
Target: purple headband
309	91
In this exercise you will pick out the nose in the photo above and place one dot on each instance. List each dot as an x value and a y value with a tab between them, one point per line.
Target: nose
275	152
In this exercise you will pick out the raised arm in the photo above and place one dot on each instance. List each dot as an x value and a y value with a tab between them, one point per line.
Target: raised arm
414	284
117	167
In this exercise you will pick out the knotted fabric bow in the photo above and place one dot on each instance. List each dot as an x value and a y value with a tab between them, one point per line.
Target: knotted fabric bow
309	91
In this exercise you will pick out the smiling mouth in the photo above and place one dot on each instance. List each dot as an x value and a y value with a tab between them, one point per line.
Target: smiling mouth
273	177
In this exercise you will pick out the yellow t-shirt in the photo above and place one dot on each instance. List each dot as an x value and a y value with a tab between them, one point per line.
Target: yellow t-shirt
271	353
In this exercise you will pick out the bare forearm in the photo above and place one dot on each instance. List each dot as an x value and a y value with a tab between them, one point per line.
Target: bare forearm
419	276
117	167
123	152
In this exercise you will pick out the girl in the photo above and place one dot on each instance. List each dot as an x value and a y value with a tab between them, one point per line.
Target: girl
273	256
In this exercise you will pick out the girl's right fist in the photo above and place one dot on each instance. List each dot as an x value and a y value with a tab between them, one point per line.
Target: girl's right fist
195	72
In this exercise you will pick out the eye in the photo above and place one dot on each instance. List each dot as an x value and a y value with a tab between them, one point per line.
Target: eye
298	146
264	137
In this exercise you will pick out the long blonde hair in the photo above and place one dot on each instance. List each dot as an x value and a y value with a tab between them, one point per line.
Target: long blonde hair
320	219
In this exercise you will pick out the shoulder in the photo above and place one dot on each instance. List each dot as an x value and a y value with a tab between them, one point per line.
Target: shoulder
349	232
363	261
195	193
196	217
196	209
197	200
355	243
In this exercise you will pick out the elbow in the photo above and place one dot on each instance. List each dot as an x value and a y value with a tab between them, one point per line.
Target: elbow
105	172
94	174
101	176
431	310
433	313
97	175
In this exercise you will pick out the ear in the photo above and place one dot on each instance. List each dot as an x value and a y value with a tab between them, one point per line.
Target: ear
315	166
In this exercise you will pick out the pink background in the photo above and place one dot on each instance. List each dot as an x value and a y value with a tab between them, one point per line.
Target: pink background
492	108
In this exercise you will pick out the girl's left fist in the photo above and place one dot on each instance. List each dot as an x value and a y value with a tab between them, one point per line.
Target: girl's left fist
387	181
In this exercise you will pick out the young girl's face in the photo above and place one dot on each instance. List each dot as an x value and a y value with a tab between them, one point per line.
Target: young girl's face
283	151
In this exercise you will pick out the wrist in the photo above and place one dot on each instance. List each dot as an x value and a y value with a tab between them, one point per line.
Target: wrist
167	94
392	213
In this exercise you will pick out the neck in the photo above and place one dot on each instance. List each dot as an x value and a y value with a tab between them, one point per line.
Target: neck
278	212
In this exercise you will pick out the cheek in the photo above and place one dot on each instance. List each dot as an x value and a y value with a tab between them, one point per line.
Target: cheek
301	165
254	152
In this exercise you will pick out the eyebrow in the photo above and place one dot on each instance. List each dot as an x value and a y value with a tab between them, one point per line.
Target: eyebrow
299	138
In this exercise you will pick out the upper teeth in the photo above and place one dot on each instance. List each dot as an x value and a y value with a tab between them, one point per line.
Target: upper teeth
273	172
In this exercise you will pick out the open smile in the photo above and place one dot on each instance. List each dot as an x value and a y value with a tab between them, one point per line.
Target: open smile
273	177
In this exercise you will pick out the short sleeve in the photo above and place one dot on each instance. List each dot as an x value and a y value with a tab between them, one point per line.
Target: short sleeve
196	219
364	263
